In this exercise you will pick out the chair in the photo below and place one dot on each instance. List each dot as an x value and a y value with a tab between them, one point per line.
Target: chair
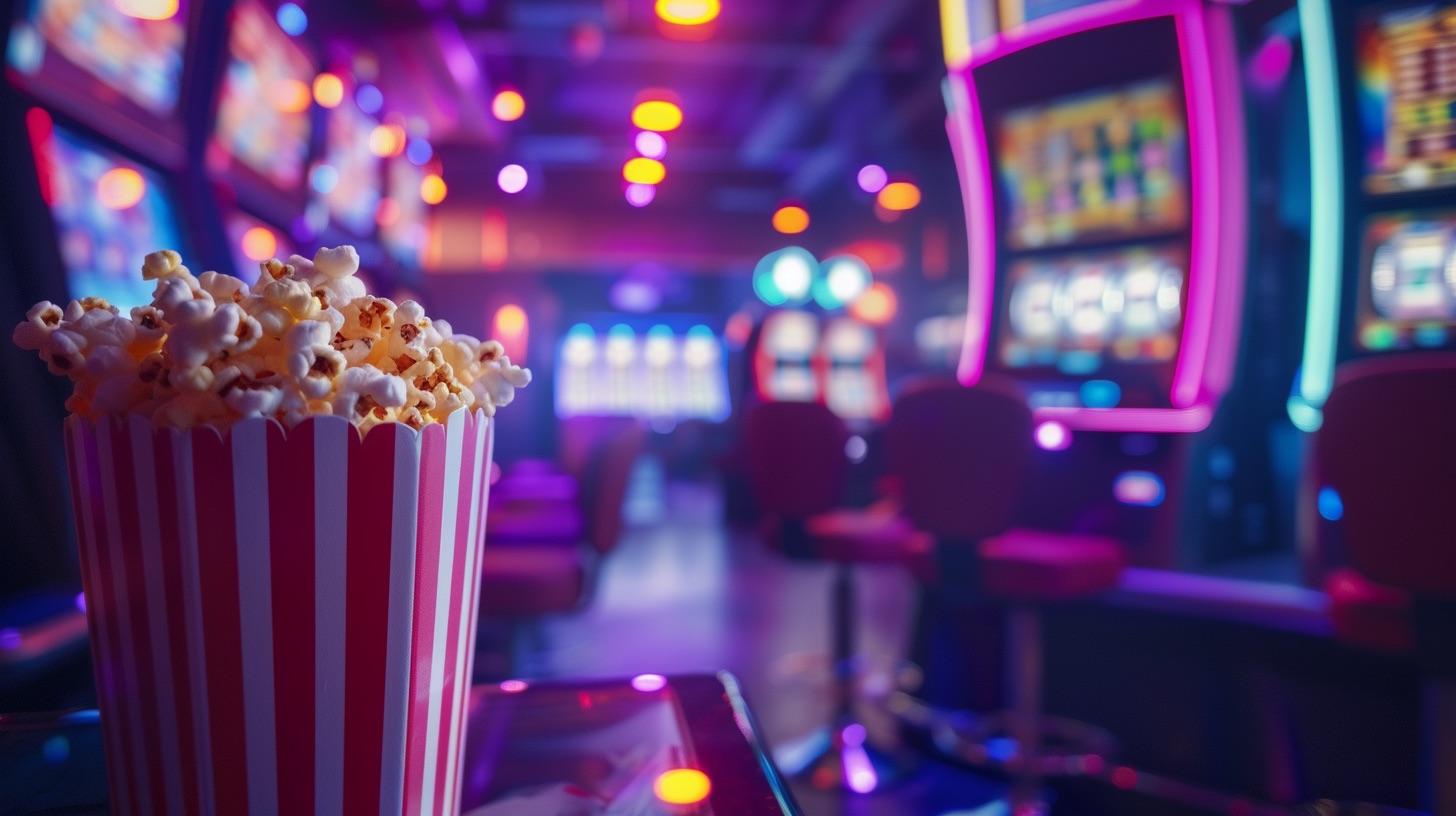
797	469
1388	447
962	455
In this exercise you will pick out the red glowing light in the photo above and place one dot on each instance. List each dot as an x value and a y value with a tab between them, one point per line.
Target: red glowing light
1124	777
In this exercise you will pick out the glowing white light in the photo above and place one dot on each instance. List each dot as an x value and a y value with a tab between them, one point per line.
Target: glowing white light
512	178
1053	436
793	274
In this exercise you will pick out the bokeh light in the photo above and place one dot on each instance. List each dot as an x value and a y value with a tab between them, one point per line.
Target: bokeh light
658	115
651	144
642	170
120	188
1052	435
387	140
688	12
259	244
508	106
791	219
650	682
640	195
873	178
514	686
328	90
419	151
843	279
324	178
683	786
291	96
369	99
793	273
876	306
292	19
899	196
147	9
433	189
512	178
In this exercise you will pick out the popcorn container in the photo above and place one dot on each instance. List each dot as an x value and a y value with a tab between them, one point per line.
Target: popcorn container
282	619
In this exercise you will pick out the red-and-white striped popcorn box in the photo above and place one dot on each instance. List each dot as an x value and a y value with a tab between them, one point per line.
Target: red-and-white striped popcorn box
282	620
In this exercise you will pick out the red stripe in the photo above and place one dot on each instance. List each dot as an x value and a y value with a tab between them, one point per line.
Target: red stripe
371	503
145	694
212	468
167	512
427	573
291	529
466	477
100	617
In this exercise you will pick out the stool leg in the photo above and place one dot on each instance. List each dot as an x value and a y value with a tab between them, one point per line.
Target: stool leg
842	623
1024	660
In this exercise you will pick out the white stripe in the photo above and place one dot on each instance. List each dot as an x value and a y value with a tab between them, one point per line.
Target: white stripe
150	527
465	646
330	533
100	624
130	696
403	529
255	593
449	541
192	602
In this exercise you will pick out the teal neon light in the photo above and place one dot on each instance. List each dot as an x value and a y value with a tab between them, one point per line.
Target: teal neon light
1327	224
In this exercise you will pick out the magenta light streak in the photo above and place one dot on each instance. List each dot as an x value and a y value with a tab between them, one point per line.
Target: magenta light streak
858	770
649	682
640	195
873	178
1053	435
514	686
512	178
651	144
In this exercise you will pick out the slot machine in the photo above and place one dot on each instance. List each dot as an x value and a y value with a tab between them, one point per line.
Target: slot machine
851	362
783	359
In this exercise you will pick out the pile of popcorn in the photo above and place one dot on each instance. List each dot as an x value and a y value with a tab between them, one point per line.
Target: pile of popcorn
304	340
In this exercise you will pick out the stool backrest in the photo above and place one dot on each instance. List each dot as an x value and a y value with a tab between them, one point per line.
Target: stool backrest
796	461
605	488
1388	446
961	455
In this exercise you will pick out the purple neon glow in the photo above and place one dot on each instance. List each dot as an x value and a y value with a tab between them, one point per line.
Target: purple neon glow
651	144
512	178
649	682
81	601
858	771
1205	367
10	639
514	686
640	195
1138	488
873	178
1270	64
1053	435
853	734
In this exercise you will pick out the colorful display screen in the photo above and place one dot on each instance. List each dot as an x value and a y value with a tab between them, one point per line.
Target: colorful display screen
141	59
1407	97
1407	295
658	375
1107	164
102	244
348	180
1078	313
783	361
262	113
402	226
854	380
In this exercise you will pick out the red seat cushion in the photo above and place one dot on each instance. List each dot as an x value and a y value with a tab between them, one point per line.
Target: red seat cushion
528	521
1368	614
866	536
525	580
1043	566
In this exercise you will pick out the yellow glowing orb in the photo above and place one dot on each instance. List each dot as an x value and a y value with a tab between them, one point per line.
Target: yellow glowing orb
120	188
899	196
688	12
328	90
683	786
791	219
657	114
259	244
642	170
508	106
433	189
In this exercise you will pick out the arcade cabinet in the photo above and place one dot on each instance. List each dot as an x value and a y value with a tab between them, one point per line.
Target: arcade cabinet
851	360
783	369
1107	216
664	377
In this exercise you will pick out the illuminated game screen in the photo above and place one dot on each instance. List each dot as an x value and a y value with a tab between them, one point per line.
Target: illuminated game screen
109	214
658	375
141	59
854	385
1407	97
783	364
402	227
1408	292
263	109
1106	164
1080	313
348	180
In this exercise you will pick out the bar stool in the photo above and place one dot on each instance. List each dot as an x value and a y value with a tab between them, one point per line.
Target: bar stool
963	454
1388	447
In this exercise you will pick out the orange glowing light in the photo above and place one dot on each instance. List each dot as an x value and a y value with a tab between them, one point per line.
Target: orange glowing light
291	96
433	189
642	170
876	306
899	196
147	9
791	219
683	786
259	244
387	213
508	106
510	319
328	90
688	12
120	188
657	114
387	140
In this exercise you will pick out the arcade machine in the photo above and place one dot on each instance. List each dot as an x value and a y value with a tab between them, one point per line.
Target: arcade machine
783	369
667	375
1382	276
258	152
851	360
1106	211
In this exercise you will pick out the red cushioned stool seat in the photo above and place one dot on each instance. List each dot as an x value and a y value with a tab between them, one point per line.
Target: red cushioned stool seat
1368	614
529	521
872	535
1034	565
527	580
